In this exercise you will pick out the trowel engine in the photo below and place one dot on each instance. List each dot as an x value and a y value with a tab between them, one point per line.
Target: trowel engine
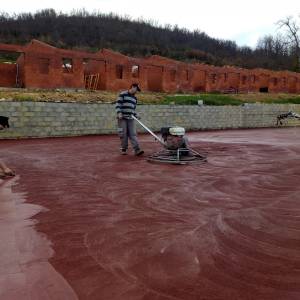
174	138
176	149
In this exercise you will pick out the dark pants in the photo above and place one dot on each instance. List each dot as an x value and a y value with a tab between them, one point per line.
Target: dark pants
126	130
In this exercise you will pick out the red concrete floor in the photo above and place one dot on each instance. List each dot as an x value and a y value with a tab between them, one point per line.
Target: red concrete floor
98	225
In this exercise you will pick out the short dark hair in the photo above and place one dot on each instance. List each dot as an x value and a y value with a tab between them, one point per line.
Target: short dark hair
136	85
4	121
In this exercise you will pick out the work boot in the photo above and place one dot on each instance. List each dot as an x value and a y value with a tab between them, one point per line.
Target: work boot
123	151
138	152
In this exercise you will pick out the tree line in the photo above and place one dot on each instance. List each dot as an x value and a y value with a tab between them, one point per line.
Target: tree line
141	38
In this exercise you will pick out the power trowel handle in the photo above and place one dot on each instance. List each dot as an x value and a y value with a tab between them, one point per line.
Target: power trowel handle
152	133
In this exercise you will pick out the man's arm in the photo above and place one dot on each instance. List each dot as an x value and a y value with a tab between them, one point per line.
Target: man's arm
119	104
7	171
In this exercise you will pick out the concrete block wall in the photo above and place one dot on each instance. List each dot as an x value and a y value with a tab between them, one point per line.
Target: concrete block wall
44	119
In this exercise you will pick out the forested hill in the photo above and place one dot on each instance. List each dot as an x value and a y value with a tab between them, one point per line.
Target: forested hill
93	31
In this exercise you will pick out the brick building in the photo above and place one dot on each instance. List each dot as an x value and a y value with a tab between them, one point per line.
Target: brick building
40	65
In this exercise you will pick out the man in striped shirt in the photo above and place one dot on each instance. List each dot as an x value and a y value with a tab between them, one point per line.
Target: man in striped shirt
125	108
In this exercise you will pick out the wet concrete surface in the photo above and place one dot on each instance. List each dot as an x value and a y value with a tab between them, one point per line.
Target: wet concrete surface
117	227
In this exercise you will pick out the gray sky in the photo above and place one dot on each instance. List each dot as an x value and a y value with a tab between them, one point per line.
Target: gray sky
238	20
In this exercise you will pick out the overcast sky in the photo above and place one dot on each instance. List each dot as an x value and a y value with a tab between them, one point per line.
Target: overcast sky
238	20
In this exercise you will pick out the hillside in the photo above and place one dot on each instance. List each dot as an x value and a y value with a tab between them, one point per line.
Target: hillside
93	31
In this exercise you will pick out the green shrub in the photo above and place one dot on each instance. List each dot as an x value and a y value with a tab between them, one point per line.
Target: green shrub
23	98
295	100
208	99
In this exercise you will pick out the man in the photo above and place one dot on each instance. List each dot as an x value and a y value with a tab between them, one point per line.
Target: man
125	108
4	170
288	115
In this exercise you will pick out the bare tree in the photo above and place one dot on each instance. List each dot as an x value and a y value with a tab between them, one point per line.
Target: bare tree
293	36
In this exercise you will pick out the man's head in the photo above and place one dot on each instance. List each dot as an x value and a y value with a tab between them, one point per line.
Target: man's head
4	122
134	88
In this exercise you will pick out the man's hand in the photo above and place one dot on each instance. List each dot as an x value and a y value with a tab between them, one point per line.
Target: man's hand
8	172
119	116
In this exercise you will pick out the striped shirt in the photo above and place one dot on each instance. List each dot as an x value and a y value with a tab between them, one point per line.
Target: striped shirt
126	104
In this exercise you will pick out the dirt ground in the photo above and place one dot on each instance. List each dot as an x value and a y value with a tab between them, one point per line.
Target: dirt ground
71	96
109	96
80	221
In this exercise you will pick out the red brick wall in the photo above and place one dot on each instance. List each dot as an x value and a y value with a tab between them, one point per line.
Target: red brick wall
21	73
198	80
47	71
8	74
41	66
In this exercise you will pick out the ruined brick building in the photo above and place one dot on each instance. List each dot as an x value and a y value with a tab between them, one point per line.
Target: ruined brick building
40	65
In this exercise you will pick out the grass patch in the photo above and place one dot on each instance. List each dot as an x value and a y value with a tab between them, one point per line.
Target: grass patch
84	96
24	97
208	99
294	100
